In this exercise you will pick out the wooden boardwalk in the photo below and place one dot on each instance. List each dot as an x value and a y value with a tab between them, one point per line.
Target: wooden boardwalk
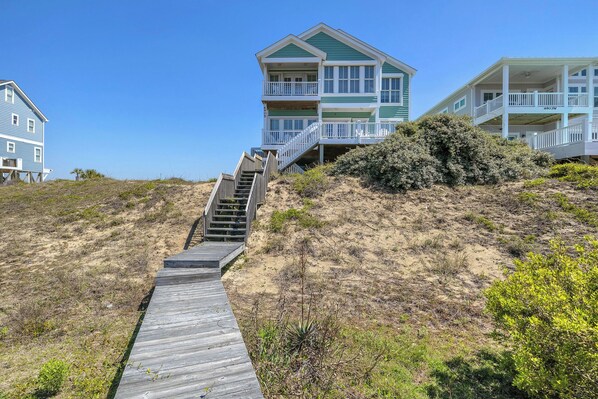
189	344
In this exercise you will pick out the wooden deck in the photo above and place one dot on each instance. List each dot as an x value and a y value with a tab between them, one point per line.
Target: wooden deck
189	344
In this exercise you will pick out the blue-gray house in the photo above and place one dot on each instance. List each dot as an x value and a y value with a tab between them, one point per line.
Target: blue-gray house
22	127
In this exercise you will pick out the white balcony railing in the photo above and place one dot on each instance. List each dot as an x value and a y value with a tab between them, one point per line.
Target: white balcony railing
563	136
291	89
333	131
533	100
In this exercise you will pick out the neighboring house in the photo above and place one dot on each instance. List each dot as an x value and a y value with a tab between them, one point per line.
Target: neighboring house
21	136
325	91
552	103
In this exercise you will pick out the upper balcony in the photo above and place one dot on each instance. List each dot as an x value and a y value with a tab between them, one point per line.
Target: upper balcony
291	91
532	103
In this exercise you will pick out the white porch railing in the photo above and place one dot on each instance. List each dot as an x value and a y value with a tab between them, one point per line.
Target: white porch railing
352	132
277	137
299	89
533	100
563	136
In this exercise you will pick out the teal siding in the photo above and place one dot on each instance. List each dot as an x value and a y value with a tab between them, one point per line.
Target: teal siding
291	51
354	115
335	50
391	111
348	100
293	112
387	68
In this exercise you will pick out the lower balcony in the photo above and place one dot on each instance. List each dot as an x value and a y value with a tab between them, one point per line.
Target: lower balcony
571	141
532	103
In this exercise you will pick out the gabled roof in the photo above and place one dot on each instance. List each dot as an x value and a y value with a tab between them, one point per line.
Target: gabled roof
341	36
27	99
290	39
352	41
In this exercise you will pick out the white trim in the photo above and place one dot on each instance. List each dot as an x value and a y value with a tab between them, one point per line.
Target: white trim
30	120
14	147
4	136
290	39
27	99
12	119
350	63
349	106
41	152
306	60
464	99
343	38
6	94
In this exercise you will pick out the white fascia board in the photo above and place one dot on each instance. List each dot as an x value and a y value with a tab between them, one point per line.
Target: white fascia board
297	59
348	106
5	136
290	39
27	99
392	75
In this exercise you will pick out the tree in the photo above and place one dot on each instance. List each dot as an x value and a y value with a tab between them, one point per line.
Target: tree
549	310
78	172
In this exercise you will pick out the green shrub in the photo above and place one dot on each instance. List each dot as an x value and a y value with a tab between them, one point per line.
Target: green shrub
442	149
301	216
528	198
549	310
584	215
482	221
585	176
534	182
312	183
51	377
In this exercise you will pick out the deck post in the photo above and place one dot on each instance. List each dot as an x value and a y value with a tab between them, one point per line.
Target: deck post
591	94
565	114
321	154
505	101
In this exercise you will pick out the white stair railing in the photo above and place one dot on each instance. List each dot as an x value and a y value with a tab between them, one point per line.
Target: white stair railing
298	145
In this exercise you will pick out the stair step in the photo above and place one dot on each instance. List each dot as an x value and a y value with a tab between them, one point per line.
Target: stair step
225	223
227	230
224	237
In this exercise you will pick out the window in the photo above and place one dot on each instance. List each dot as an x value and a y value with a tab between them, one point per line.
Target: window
577	89
583	72
354	81
274	124
595	96
328	79
10	147
37	155
343	79
9	95
490	95
298	124
596	72
391	90
274	77
312	77
287	125
30	125
459	104
444	111
368	82
15	120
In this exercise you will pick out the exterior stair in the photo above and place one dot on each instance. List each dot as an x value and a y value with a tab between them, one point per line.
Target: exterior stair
229	222
299	145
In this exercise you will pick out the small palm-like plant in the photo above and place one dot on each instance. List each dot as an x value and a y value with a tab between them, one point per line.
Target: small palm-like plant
302	336
78	172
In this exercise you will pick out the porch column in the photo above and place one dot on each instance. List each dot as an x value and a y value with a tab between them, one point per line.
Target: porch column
565	88
590	91
505	101
320	78
319	112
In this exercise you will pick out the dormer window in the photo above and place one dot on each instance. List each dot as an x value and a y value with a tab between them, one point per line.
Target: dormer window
9	95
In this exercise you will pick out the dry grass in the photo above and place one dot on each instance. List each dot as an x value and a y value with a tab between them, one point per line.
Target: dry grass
78	259
416	262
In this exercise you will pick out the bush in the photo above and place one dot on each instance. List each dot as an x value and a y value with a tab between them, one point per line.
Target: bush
549	309
442	149
312	183
51	377
585	176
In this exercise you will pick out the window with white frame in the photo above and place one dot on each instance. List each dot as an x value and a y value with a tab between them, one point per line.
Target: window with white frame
9	95
391	90
11	147
15	119
583	72
274	77
328	79
368	79
343	79
30	125
37	154
444	111
595	96
575	89
459	104
354	80
596	72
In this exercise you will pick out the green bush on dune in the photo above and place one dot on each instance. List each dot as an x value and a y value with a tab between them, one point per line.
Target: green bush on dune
443	149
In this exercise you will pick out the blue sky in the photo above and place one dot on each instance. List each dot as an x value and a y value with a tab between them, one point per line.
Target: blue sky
149	89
